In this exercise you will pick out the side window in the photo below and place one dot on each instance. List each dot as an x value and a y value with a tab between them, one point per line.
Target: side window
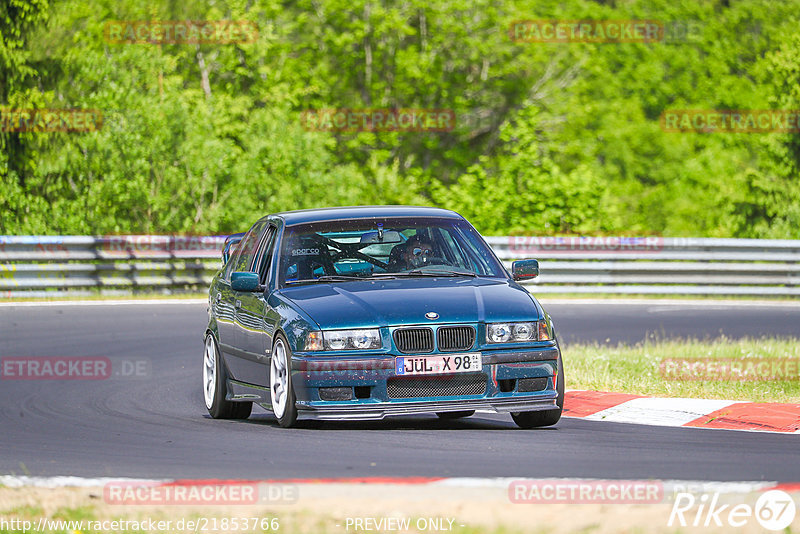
248	248
264	258
226	272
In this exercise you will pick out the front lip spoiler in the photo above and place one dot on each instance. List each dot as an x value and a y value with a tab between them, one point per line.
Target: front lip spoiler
365	412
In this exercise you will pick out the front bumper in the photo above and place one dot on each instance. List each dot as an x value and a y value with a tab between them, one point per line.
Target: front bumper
371	378
363	412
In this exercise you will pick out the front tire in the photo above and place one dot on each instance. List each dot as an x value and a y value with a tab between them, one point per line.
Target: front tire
544	417
280	383
215	386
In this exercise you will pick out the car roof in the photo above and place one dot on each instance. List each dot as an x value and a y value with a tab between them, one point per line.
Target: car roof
291	218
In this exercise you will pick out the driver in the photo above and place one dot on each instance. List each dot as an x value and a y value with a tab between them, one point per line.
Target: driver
413	254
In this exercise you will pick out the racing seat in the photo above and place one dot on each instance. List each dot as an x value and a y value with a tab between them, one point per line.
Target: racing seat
307	258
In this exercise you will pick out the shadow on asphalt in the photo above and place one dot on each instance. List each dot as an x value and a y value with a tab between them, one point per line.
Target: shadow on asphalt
395	423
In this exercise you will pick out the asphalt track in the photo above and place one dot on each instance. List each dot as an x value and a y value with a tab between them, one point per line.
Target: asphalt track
156	426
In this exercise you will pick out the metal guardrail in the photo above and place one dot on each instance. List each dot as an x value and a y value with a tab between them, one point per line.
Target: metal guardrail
75	265
655	265
116	265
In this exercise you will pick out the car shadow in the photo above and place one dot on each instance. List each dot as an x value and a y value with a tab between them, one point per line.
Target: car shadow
416	422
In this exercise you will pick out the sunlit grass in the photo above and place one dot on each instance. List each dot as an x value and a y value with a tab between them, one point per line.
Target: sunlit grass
636	369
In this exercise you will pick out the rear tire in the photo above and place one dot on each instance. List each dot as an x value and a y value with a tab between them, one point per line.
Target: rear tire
281	392
215	387
455	415
544	417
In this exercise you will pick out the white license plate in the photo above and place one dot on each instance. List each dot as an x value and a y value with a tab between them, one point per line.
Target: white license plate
437	365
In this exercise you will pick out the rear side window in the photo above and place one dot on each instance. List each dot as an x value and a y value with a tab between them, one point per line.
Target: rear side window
248	248
226	272
263	260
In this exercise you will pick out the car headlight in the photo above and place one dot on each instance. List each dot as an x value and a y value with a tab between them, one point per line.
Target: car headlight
513	332
362	339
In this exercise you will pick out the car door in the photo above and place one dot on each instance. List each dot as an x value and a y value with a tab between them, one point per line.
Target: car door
254	332
227	301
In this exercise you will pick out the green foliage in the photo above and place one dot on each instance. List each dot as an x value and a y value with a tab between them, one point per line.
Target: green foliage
775	185
522	189
550	138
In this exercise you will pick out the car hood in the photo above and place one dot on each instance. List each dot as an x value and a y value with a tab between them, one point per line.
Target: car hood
356	304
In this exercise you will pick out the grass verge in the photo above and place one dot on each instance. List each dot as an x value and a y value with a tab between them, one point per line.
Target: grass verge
326	508
89	519
643	369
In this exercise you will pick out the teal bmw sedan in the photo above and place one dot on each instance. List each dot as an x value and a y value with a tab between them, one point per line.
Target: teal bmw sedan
367	312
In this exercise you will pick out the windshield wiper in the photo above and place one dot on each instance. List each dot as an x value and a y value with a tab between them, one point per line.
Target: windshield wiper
419	272
408	274
327	278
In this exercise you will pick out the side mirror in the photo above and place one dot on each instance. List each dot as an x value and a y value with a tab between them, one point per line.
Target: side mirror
245	281
524	269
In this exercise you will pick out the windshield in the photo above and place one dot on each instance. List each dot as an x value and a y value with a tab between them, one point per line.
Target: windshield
375	248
